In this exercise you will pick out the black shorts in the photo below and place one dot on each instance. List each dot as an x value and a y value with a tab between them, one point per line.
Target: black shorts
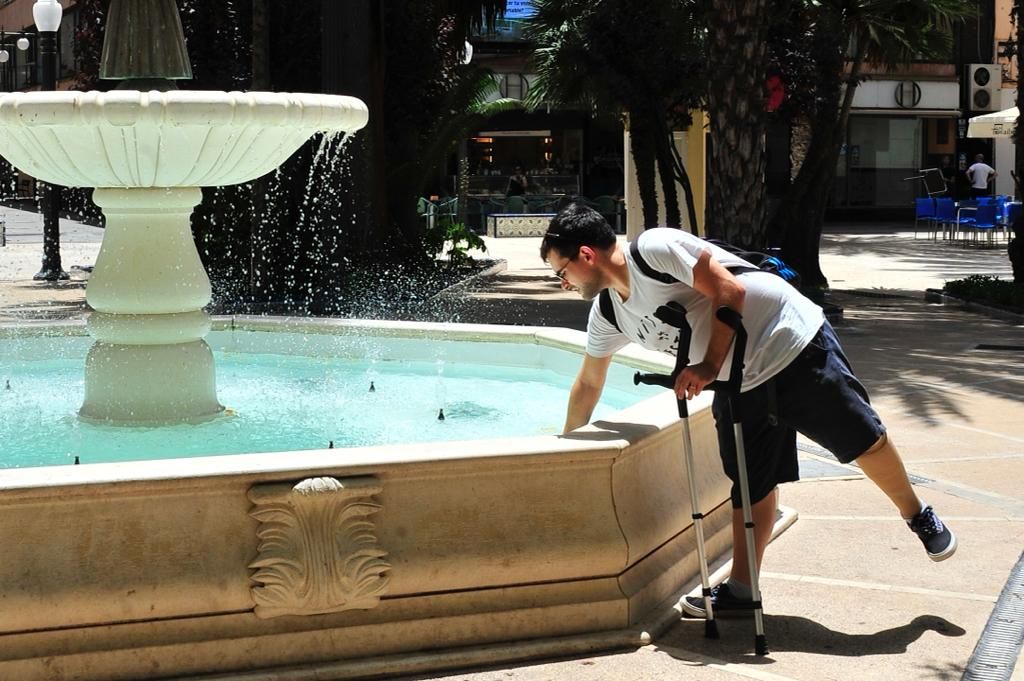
816	395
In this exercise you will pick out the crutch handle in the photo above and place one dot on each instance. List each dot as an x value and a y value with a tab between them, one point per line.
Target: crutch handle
664	380
669	381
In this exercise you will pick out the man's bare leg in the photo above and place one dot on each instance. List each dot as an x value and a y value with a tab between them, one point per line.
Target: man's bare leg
884	467
763	515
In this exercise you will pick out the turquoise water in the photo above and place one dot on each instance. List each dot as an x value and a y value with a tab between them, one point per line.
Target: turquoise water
284	402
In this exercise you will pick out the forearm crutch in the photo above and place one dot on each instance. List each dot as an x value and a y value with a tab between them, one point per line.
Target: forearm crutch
732	388
673	314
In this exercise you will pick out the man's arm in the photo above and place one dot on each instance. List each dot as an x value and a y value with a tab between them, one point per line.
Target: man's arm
712	280
586	391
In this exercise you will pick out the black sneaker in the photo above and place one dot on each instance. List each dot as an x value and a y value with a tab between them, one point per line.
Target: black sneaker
938	540
722	600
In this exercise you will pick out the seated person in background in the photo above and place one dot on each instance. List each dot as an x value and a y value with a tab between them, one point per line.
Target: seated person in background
518	183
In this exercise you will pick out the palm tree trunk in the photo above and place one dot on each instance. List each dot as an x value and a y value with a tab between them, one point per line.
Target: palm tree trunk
667	174
737	49
642	145
684	180
801	218
671	170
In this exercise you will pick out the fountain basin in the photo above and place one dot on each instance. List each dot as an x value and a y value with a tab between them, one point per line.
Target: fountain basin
189	566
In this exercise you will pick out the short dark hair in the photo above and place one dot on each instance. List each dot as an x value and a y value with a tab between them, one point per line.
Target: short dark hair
576	225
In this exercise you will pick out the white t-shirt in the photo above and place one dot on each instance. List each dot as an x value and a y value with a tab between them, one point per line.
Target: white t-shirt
779	321
979	174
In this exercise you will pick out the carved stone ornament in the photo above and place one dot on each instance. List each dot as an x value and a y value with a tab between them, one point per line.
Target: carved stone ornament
318	550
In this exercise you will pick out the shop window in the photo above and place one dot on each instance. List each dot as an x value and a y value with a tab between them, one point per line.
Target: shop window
880	153
514	86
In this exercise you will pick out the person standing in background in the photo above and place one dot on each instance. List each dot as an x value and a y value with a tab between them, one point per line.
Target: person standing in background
518	183
981	175
948	175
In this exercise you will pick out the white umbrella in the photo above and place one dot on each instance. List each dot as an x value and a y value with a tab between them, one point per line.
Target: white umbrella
996	124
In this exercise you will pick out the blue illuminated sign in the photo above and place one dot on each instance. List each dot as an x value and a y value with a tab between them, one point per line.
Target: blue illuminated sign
519	9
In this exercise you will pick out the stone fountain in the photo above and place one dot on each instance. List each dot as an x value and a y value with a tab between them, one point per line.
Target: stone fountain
148	148
334	563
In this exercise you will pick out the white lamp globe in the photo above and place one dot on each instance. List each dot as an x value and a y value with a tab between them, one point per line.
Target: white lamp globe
5	56
22	44
47	15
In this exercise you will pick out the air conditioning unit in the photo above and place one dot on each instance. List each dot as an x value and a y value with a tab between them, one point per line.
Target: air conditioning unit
983	84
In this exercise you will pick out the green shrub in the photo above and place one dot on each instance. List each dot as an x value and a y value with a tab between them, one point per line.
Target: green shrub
458	239
985	288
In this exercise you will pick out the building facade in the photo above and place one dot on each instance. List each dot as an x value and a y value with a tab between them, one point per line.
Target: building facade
912	118
564	153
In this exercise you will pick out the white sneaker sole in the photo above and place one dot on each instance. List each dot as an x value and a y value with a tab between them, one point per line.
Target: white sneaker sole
692	611
950	550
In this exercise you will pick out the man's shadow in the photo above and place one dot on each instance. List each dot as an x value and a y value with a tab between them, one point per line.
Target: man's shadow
787	633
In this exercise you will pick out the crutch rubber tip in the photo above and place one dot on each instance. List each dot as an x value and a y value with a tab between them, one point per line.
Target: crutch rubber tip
711	629
760	645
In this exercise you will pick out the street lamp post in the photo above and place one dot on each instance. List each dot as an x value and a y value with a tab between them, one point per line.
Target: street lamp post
47	15
8	76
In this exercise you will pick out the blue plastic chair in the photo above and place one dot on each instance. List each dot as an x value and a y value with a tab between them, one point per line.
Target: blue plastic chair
924	209
964	217
945	216
1010	214
984	223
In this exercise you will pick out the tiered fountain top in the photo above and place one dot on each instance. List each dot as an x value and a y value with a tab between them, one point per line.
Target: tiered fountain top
186	138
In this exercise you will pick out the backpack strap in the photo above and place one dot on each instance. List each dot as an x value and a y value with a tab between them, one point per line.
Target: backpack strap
604	303
663	277
604	299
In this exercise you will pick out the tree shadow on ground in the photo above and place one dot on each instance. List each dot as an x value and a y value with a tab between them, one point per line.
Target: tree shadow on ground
788	633
925	356
943	260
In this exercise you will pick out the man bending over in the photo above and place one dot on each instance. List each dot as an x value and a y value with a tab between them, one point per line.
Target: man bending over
796	377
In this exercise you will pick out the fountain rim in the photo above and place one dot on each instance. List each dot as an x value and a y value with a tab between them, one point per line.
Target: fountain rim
591	442
212	108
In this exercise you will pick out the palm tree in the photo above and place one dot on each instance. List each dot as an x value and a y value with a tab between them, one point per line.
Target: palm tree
468	102
587	54
877	32
737	50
